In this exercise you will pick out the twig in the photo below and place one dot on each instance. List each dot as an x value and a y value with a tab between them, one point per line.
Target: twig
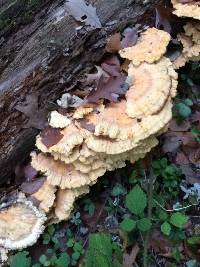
149	215
177	209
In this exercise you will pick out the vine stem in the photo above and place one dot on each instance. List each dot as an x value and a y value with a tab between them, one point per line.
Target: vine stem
149	215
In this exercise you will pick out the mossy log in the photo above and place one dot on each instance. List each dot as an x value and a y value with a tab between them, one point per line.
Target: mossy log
42	53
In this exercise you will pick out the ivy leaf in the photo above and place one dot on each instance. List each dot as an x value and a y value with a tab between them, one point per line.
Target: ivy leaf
63	260
136	200
165	228
144	224
127	225
21	259
178	219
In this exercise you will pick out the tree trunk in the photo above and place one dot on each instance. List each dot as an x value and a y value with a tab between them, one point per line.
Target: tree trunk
43	55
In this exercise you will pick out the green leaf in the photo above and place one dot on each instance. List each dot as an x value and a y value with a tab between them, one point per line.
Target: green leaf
43	259
46	238
163	215
183	110
191	263
127	225
117	252
166	228
76	255
70	242
136	200
36	265
51	229
144	224
118	190
20	259
178	219
78	246
99	253
188	102
193	240
176	254
63	260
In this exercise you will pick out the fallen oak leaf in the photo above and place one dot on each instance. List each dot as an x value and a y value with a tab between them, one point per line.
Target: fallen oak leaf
130	37
51	136
32	187
88	126
114	43
112	66
29	172
110	90
163	18
82	12
129	259
93	78
37	117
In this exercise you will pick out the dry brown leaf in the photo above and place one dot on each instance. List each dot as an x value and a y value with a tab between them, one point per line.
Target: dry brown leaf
130	37
110	90
51	136
114	43
32	187
37	116
129	259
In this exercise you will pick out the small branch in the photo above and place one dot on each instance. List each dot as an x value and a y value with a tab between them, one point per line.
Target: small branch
172	210
149	215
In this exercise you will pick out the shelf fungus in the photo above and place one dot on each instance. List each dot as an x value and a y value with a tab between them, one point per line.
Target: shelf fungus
103	136
151	45
21	223
65	201
190	41
191	9
88	139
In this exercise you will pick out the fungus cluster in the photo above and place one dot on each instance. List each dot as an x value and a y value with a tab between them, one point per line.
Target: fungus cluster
84	141
186	8
99	137
190	41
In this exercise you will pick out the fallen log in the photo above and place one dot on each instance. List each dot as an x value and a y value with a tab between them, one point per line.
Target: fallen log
42	55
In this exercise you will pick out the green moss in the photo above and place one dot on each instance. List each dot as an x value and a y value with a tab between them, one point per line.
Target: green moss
18	12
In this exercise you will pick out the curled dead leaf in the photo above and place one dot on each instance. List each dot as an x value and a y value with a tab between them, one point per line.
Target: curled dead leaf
51	136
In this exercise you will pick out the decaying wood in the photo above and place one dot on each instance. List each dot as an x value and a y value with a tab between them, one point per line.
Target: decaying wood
42	53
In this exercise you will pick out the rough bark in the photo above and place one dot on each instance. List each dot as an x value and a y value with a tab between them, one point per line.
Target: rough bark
42	53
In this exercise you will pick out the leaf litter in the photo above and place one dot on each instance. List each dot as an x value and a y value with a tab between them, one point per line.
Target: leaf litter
83	12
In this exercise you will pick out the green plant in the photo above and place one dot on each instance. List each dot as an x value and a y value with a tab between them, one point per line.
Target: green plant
61	260
136	202
169	173
196	133
172	225
49	234
88	206
76	219
118	190
77	250
102	252
21	259
183	110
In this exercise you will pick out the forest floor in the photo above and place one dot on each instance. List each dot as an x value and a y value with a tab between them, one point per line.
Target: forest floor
160	227
146	214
